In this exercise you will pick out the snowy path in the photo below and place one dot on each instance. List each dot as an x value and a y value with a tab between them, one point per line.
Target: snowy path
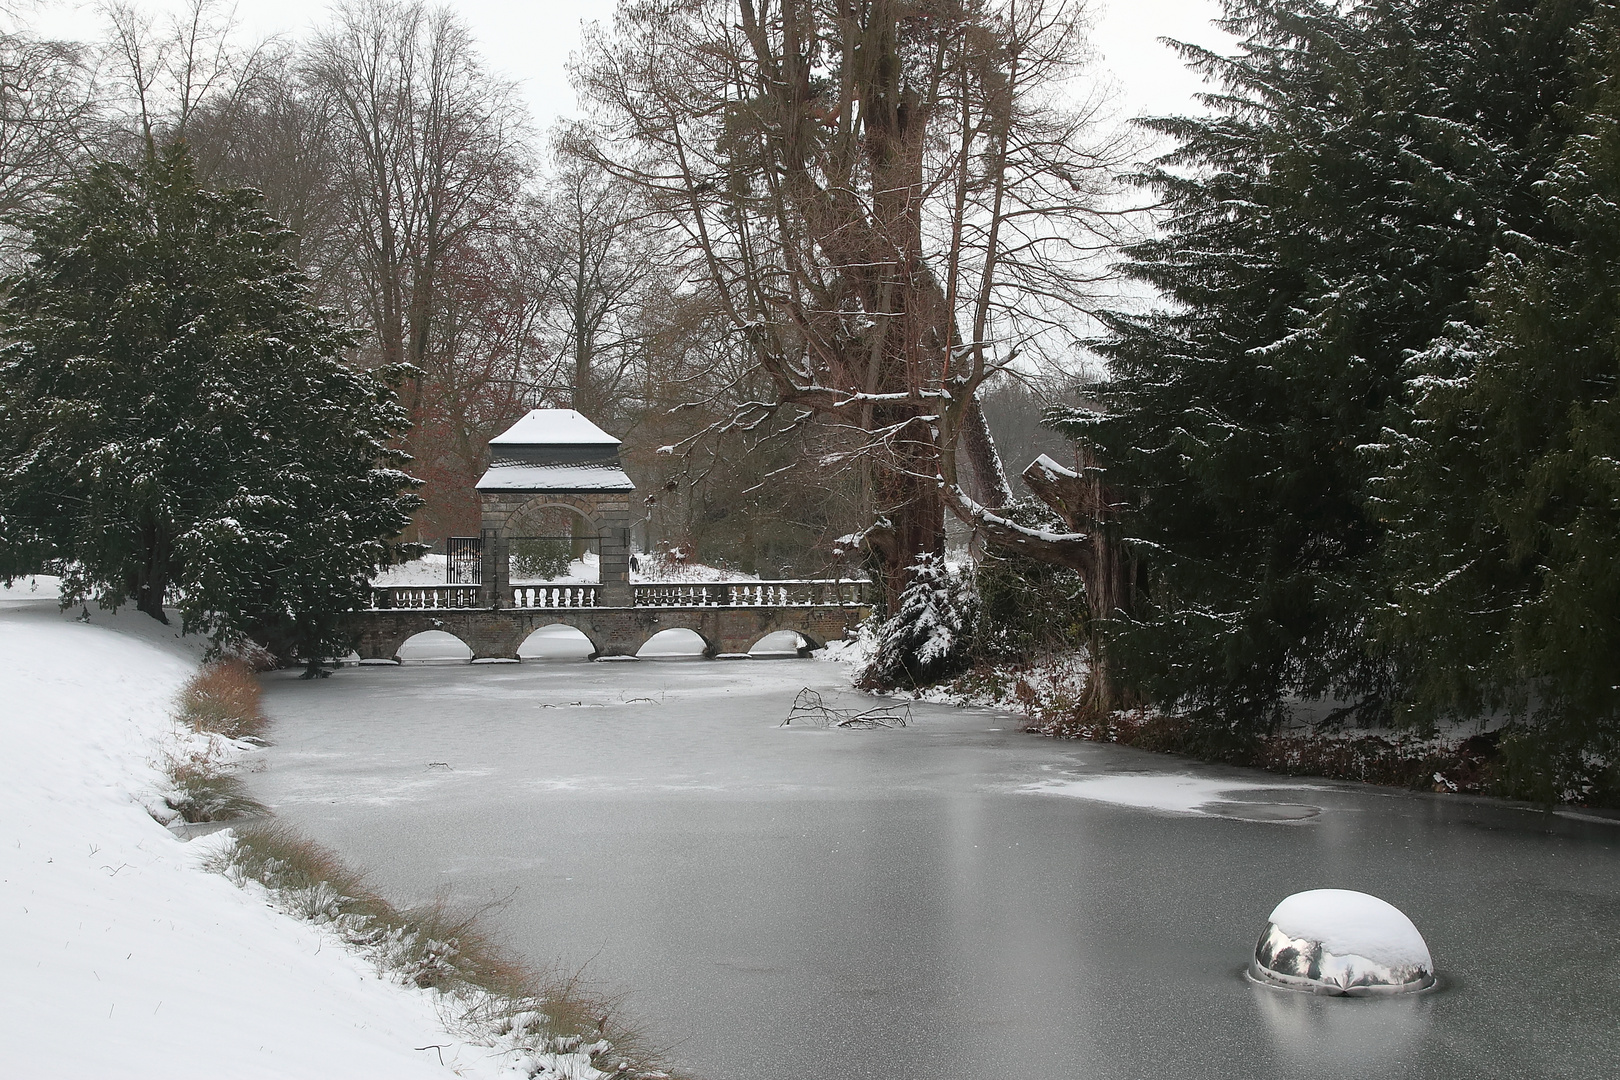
121	956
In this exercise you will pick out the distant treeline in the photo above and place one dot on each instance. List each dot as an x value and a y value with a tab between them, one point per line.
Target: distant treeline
430	214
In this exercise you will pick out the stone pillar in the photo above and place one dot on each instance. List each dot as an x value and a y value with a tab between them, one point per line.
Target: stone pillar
495	570
614	558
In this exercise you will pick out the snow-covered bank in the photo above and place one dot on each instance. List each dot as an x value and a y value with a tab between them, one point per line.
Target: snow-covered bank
123	956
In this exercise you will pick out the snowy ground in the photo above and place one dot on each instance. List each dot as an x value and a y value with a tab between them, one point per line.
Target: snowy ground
122	956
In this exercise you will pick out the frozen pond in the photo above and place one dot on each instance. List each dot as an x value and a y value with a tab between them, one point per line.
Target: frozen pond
951	900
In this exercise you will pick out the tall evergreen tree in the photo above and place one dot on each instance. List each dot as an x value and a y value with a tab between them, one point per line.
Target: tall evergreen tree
176	419
1503	495
1327	219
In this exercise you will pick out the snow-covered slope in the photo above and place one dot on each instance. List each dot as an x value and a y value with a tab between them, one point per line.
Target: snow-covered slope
119	955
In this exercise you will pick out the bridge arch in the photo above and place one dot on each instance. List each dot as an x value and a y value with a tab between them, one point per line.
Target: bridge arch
672	642
781	643
428	646
558	641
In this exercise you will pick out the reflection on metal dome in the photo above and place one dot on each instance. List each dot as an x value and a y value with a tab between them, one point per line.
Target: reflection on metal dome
1335	941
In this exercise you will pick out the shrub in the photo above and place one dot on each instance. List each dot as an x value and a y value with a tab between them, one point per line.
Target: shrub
1026	608
928	638
541	557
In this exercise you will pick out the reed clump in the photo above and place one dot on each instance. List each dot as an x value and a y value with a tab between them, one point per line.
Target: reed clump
218	711
223	699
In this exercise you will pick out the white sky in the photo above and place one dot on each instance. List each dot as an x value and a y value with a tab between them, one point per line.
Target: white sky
531	41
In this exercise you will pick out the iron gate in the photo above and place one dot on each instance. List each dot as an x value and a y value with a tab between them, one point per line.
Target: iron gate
463	560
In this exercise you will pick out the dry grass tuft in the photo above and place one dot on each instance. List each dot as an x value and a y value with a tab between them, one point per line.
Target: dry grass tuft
205	791
221	705
498	999
223	699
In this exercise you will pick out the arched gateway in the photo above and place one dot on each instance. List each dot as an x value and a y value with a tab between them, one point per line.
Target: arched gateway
555	459
556	462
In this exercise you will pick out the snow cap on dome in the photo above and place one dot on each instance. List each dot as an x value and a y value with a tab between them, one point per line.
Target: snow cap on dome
1353	924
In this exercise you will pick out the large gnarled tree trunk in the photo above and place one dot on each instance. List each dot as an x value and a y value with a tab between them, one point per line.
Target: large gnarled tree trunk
886	201
1110	572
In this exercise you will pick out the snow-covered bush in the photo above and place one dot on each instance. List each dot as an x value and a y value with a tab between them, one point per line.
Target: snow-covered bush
181	423
928	638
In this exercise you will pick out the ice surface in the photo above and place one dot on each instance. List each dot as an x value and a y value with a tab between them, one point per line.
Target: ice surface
783	903
554	427
1350	923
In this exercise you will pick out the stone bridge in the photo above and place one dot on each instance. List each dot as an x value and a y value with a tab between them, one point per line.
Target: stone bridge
729	617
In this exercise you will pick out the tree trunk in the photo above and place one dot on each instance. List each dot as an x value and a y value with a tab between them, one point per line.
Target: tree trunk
916	516
1108	569
991	488
154	578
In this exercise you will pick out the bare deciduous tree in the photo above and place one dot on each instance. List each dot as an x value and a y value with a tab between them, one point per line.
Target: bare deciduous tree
436	151
890	200
437	154
602	262
172	70
49	116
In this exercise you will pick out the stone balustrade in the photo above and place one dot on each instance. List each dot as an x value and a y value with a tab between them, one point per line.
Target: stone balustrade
547	597
824	592
802	593
429	597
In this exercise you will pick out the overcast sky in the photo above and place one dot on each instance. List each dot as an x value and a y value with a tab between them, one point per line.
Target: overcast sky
531	41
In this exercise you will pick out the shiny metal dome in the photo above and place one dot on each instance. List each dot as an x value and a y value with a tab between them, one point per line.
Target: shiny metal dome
1336	941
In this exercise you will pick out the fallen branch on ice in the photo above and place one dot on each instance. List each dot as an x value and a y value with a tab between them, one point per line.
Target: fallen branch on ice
808	708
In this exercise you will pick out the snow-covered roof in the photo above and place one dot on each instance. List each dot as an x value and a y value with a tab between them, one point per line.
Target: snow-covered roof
553	427
589	476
